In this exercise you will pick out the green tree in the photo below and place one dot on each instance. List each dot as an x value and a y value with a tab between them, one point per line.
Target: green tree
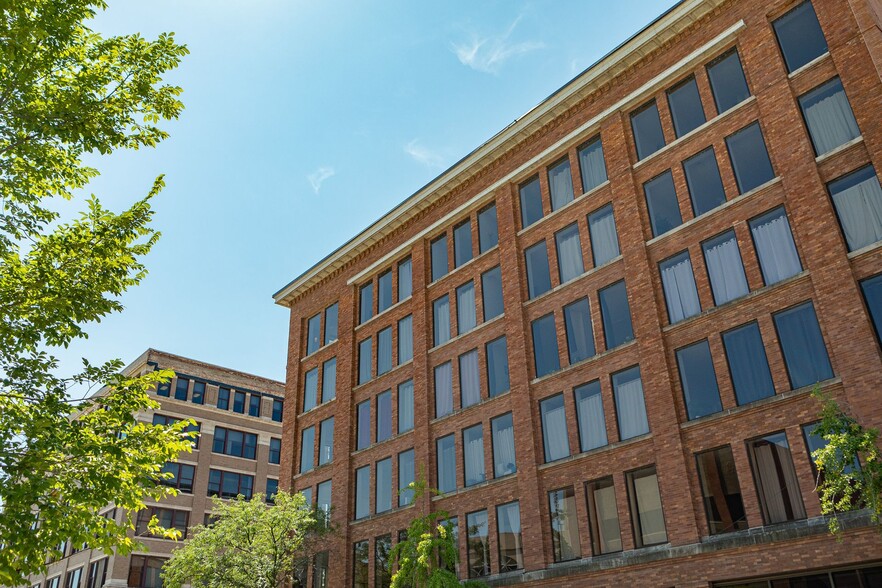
249	545
427	556
66	91
849	465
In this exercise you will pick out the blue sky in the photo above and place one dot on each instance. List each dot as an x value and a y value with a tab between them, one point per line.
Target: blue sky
304	122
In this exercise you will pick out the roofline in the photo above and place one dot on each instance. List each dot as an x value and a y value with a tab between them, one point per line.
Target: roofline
673	20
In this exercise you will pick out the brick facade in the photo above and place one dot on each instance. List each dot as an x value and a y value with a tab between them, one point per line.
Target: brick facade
679	44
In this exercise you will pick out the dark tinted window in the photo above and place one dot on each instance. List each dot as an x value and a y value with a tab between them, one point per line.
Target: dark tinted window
727	81
750	160
580	334
545	352
616	314
661	200
439	257
313	333
686	110
800	36
384	415
445	451
497	367
531	202
488	230
364	361
748	364
331	323
384	291
648	135
775	477
462	243
441	319
704	182
366	302
803	345
363	493
491	292
720	491
872	289
538	276
699	380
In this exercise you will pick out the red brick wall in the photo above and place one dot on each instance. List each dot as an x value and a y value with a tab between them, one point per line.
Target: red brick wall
829	279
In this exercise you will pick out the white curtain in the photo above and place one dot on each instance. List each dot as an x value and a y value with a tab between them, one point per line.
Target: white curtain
652	521
604	239
680	292
554	430
384	351
469	380
405	279
443	390
405	339
405	406
405	476
441	309
560	182
446	464
580	334
466	316
726	270
777	252
473	453
592	166
860	211
830	120
632	409
329	379
569	254
592	426
778	493
503	448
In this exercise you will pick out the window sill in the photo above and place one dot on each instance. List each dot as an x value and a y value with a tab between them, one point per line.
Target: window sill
844	147
315	408
466	334
457	269
380	515
749	296
575	280
727	204
680	140
865	250
595	451
483	402
380	314
565	207
583	363
823	57
484	484
319	350
381	376
763	402
381	443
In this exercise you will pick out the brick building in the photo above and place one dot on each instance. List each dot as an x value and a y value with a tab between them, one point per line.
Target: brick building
239	418
597	333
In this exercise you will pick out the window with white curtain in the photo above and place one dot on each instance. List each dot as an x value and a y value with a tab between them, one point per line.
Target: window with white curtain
805	353
775	477
774	246
478	547
554	428
310	389
858	201
589	414
441	320
384	351
466	315
497	367
405	279
725	268
362	492
469	379
473	454
580	334
699	380
405	406
538	275
405	339
828	116
604	238
322	498
326	441
445	455
364	361
603	516
502	430
443	390
510	541
630	406
383	495
560	183
646	507
406	476
569	253
384	415
329	379
681	295
592	164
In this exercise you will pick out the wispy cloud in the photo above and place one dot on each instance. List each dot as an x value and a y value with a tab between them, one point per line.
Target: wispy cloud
423	154
318	177
488	54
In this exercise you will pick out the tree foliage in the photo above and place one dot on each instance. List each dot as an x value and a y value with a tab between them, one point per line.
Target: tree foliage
249	545
66	91
849	465
427	556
